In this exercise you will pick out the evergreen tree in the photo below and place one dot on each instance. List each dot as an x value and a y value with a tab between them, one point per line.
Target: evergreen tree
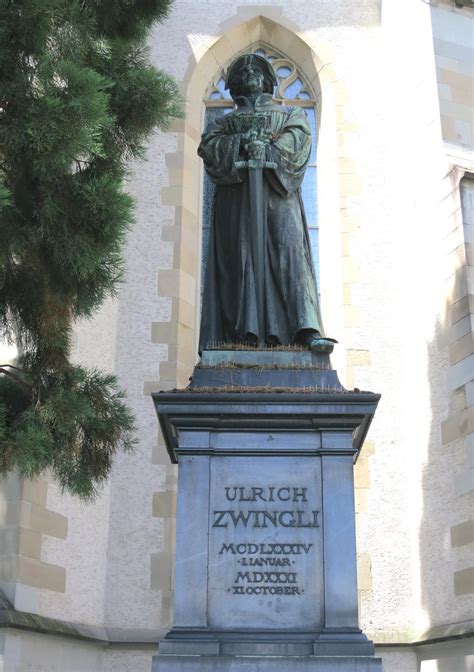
78	99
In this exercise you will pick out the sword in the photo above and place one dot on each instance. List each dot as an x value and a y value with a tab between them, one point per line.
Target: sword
258	235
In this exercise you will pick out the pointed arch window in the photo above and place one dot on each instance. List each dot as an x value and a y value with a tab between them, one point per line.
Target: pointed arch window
294	90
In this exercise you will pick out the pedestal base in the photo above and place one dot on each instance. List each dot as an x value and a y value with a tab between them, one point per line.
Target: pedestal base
266	574
165	663
303	644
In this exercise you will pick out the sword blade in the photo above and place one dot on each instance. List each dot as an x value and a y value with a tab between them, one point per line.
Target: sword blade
257	234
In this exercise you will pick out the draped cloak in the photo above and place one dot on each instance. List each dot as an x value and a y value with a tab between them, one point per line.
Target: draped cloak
229	304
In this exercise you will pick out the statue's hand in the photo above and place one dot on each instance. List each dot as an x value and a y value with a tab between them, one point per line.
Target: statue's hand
266	136
247	137
251	135
256	150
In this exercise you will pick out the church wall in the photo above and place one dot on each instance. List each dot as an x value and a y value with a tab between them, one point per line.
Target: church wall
453	28
83	552
446	552
446	657
27	523
131	601
28	651
127	660
397	660
392	96
454	55
446	508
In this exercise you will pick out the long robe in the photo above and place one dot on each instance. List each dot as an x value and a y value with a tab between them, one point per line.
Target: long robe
229	310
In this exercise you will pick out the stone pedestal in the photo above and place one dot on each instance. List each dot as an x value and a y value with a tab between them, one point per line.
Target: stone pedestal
265	573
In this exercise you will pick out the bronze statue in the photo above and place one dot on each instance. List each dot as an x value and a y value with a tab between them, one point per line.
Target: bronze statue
260	286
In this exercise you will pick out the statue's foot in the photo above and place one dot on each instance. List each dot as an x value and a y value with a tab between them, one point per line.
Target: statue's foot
320	344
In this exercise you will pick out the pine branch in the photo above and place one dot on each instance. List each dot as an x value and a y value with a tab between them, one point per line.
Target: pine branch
4	369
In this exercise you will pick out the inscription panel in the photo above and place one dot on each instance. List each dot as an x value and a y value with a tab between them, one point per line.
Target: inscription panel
265	543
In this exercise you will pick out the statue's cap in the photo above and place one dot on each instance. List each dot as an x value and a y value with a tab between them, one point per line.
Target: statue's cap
251	59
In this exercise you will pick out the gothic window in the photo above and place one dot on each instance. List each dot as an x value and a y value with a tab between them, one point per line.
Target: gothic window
293	89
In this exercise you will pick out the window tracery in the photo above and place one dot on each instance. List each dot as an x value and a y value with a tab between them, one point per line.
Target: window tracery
293	86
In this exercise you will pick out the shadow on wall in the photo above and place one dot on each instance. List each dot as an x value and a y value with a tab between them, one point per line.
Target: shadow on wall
446	599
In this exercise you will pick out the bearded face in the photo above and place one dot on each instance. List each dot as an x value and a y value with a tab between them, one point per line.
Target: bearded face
249	81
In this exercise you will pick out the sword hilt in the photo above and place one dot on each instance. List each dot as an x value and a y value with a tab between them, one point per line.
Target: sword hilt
253	164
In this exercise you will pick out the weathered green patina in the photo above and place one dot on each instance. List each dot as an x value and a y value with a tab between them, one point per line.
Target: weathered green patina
260	284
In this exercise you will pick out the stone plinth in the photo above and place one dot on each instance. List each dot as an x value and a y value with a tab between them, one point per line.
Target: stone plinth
267	664
265	574
278	369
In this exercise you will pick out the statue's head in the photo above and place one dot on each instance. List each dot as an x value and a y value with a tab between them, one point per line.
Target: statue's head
250	74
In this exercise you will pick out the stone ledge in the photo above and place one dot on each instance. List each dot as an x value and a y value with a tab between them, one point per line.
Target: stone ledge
22	620
442	633
166	663
281	357
439	633
286	409
139	638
